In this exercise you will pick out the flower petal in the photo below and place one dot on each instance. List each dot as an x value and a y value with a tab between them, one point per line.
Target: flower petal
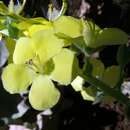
64	65
46	44
16	78
23	51
35	28
43	94
69	26
77	83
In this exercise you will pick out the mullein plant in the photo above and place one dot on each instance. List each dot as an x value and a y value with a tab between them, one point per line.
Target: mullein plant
42	52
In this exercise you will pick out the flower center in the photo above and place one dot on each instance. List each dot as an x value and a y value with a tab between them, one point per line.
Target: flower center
39	67
35	64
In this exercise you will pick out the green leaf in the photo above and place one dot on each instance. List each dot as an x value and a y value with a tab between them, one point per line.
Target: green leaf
16	78
79	43
24	51
111	36
43	94
38	20
10	44
87	67
31	21
64	65
95	37
76	43
68	26
3	8
13	31
123	55
97	68
88	94
32	25
23	25
2	27
111	75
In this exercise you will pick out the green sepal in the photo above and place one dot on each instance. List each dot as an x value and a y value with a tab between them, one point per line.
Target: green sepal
10	44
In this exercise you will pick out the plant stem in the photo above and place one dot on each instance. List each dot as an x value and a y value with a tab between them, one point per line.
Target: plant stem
107	89
120	80
63	9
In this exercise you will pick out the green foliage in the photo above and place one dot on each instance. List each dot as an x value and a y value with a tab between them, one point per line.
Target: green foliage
10	44
88	94
123	55
111	75
96	37
3	8
42	51
97	68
